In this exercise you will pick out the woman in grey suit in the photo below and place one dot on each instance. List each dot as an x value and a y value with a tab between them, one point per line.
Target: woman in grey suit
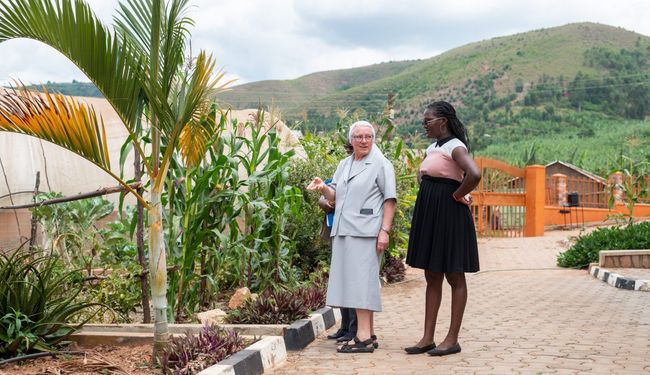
365	193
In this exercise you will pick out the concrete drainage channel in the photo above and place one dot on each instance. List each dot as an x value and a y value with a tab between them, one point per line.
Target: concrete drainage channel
268	352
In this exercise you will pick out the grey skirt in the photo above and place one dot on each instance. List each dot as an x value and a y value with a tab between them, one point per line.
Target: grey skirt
354	273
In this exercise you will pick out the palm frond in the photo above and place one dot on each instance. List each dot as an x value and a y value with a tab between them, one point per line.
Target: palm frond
72	28
133	22
168	35
57	119
196	137
199	90
192	98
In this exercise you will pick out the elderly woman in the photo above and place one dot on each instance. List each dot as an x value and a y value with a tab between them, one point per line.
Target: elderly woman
364	190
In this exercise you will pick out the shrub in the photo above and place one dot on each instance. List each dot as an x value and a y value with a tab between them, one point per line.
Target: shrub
279	306
393	270
587	247
191	354
37	299
120	293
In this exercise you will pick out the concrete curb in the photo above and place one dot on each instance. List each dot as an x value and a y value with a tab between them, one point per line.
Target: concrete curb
272	350
254	360
619	281
303	331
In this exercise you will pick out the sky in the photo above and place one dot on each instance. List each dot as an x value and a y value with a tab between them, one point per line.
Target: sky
256	40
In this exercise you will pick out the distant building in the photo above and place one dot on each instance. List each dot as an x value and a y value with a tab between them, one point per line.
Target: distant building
591	188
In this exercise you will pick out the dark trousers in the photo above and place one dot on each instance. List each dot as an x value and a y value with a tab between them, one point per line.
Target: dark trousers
349	320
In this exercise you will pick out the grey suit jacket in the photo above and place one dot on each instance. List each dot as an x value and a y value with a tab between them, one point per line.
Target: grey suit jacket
360	196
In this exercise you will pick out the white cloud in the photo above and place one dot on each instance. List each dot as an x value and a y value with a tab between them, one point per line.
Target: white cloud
284	39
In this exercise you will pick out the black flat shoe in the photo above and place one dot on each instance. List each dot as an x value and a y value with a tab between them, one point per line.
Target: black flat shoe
347	337
375	343
418	350
439	353
341	332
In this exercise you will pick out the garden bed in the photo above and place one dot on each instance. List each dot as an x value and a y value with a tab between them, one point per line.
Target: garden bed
130	359
296	335
126	348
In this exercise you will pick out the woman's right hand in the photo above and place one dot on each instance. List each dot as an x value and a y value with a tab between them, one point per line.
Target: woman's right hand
316	184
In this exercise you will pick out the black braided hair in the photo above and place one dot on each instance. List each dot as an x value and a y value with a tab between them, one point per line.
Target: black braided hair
446	110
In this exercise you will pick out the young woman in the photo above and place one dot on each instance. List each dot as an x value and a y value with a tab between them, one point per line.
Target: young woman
442	241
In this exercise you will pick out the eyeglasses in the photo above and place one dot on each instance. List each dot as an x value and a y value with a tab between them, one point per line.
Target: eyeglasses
367	137
426	121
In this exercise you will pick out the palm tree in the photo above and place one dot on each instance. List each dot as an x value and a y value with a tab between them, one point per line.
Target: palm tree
141	69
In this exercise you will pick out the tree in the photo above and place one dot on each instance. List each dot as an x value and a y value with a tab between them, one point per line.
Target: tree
141	69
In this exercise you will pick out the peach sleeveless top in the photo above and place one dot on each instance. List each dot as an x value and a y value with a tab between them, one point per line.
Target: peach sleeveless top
439	163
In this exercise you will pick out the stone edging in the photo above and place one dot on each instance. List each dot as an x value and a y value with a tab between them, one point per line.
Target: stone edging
619	281
272	350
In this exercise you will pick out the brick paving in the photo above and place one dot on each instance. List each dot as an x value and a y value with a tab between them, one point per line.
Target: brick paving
524	316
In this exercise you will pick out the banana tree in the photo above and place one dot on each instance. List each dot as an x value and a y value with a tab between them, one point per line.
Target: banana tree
140	67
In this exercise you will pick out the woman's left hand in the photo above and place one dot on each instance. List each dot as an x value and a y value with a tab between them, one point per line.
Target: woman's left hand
382	242
467	199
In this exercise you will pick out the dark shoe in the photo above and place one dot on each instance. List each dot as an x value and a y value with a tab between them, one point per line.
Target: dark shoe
439	353
347	337
359	346
341	332
418	350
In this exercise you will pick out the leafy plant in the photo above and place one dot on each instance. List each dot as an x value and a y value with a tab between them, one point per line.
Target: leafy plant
393	269
234	209
71	228
13	324
588	246
190	354
37	300
120	293
633	184
279	306
143	67
118	249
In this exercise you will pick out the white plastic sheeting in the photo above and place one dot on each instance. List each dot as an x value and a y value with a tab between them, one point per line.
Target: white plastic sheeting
62	171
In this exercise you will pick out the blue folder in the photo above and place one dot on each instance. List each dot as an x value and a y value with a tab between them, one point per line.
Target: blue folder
329	217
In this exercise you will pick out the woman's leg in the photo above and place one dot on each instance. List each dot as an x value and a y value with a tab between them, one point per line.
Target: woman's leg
458	301
364	324
432	304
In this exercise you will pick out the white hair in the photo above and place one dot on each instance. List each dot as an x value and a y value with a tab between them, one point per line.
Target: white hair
359	124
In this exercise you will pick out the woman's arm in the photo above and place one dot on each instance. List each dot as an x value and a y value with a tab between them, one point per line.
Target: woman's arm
472	172
386	224
317	184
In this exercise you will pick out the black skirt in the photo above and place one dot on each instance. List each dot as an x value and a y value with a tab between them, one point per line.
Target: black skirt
443	238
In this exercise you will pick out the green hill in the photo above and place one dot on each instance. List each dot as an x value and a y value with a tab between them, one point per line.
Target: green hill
579	92
308	92
73	88
517	92
505	61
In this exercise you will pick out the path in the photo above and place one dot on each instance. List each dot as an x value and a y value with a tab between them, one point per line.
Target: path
524	315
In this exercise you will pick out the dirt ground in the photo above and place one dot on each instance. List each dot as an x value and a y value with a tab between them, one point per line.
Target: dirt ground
109	360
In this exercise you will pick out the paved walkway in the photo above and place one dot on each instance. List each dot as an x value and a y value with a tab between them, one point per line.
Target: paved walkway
524	315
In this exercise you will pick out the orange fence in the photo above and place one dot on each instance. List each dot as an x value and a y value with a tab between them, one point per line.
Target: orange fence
643	185
509	201
515	202
572	201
